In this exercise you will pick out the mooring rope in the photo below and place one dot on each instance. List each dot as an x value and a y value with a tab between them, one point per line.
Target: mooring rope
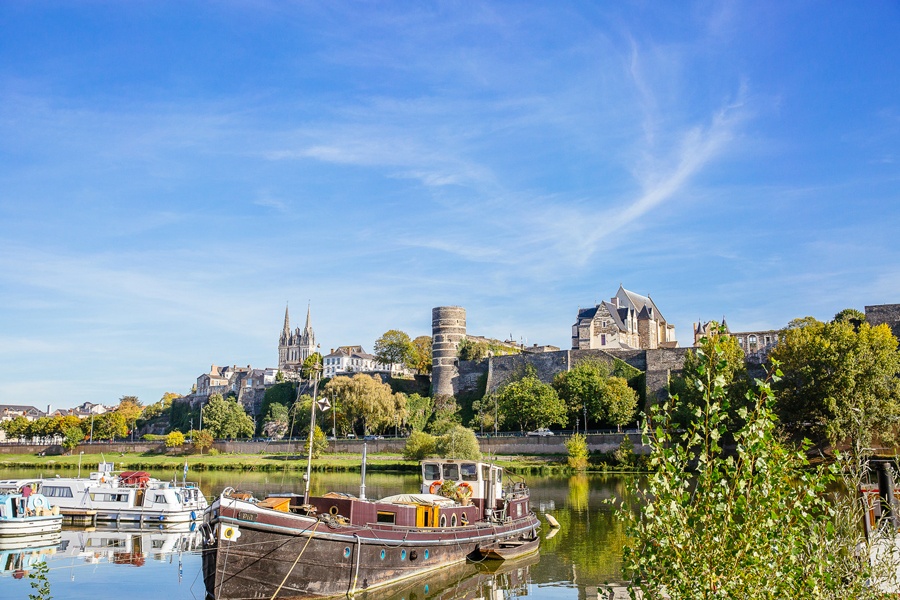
291	570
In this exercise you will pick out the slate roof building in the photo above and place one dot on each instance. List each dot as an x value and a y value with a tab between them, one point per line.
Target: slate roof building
755	344
627	321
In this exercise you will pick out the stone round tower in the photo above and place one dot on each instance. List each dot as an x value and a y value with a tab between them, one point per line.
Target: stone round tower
448	328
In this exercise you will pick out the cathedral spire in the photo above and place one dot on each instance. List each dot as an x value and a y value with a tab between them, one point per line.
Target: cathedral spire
287	321
307	315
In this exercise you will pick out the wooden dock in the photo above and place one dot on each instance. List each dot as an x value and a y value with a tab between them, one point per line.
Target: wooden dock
82	517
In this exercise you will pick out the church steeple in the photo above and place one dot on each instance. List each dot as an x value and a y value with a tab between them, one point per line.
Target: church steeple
307	316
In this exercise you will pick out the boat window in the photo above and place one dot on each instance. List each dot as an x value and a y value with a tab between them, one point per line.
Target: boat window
387	517
469	471
451	471
109	497
485	473
56	491
432	471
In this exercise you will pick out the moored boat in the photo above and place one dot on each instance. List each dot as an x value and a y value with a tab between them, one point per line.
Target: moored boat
511	549
286	546
129	496
26	514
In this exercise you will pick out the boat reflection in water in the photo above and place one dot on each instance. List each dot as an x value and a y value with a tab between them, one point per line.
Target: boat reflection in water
19	556
127	546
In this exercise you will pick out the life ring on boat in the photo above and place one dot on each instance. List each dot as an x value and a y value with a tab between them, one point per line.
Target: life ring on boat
463	520
37	501
333	510
435	487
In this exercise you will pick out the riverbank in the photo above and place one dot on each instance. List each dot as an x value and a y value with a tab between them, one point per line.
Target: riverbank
273	463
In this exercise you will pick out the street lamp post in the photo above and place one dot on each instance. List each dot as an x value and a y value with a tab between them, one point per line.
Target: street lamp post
92	429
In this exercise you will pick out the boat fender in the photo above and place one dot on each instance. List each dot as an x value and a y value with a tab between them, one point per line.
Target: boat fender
333	510
193	516
435	487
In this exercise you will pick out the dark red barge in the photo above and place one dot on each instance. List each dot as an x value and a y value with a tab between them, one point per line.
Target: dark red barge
338	545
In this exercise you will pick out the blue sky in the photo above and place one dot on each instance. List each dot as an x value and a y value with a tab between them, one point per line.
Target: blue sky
172	174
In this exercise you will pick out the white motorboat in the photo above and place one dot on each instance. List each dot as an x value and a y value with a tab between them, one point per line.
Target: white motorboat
127	496
26	515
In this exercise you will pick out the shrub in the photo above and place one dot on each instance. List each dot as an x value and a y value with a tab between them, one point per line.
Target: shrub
459	442
320	443
419	445
578	451
624	455
175	438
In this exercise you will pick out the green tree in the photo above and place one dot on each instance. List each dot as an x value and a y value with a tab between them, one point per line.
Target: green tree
364	400
202	440
582	388
419	410
174	439
528	402
839	382
420	358
110	425
577	448
419	445
311	365
16	428
320	443
688	386
459	442
225	418
852	316
393	347
619	402
470	350
752	524
72	437
275	423
131	410
446	415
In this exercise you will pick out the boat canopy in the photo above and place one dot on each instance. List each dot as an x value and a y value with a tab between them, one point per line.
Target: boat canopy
419	499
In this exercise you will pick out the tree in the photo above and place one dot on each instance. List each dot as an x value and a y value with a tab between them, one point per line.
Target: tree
364	400
174	439
582	389
687	387
393	347
528	402
446	414
320	443
72	437
620	402
459	442
225	418
202	440
852	316
755	523
578	452
131	410
469	350
420	357
419	410
110	425
419	445
839	382
311	365
275	423
16	428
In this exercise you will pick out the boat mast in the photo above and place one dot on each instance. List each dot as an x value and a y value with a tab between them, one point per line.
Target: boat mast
312	429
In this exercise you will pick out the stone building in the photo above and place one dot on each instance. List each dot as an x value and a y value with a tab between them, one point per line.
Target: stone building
295	347
628	321
888	314
755	344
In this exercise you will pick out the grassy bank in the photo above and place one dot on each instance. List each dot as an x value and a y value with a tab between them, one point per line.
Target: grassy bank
523	465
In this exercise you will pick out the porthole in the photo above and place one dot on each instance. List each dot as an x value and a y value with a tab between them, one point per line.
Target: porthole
413	555
426	554
347	552
443	521
382	555
403	555
453	521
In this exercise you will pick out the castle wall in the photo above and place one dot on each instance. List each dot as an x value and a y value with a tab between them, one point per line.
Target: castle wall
885	313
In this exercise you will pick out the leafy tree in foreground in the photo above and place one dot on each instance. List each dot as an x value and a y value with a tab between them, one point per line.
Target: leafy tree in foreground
840	382
528	402
419	445
755	524
364	399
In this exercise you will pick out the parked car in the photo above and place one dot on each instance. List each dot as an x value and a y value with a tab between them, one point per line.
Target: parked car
351	436
374	437
542	432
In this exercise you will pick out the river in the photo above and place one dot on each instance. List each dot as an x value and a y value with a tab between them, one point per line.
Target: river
583	554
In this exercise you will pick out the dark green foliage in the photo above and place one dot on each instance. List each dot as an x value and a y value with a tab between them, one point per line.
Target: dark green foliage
419	445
